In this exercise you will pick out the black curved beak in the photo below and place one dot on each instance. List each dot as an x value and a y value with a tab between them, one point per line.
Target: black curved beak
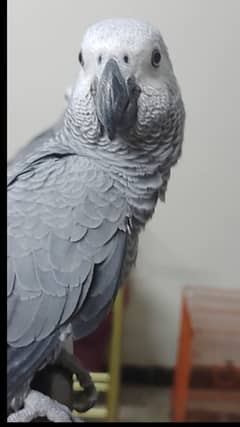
112	98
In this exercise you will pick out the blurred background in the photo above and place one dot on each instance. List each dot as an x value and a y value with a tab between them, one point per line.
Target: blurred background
193	239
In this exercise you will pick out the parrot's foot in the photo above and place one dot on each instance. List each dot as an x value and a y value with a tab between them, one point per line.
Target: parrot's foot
87	398
37	405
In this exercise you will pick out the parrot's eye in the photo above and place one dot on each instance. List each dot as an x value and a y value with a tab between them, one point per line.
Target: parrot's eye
125	58
80	58
156	58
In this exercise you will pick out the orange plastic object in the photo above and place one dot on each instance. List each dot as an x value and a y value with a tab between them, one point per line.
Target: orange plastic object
207	375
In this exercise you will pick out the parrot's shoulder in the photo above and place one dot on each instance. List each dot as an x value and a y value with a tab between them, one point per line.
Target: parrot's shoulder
65	179
49	144
66	195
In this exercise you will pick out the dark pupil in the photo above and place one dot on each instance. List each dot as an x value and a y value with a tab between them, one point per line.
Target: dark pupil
156	58
80	58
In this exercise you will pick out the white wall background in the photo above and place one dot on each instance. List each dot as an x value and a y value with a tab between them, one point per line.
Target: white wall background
195	237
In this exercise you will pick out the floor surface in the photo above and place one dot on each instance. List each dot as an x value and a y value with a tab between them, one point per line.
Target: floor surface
144	403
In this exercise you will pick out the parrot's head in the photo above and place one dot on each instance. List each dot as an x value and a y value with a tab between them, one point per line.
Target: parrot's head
125	66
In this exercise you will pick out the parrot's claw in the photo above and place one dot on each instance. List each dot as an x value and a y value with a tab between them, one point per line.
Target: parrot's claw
86	399
37	405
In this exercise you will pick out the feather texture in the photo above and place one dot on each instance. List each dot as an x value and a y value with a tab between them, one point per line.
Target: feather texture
77	201
68	264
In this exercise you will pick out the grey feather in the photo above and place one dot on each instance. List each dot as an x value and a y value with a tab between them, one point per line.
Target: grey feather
58	270
23	361
77	201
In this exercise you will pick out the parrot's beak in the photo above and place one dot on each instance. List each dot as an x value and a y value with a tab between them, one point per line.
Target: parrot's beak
113	98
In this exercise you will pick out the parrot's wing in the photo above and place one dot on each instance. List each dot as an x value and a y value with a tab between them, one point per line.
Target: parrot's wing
27	154
15	165
23	362
66	248
32	145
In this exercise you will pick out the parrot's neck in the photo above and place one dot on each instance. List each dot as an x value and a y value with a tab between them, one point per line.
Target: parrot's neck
134	172
137	175
134	165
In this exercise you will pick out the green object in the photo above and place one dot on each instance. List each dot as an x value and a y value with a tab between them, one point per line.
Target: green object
108	382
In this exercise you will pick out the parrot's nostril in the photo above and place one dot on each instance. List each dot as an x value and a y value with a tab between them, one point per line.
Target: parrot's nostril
93	88
100	59
133	88
131	82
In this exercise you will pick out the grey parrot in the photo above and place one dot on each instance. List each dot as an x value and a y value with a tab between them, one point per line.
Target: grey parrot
78	196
